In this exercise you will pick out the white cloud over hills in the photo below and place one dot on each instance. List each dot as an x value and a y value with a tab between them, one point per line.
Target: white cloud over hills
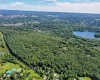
86	7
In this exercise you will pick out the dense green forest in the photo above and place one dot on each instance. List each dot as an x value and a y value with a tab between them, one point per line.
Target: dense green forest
49	46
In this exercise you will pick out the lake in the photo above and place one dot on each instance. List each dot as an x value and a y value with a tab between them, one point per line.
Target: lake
85	34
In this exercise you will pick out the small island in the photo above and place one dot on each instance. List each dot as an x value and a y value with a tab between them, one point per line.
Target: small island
97	35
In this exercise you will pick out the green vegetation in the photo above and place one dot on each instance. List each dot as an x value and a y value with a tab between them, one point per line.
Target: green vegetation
49	47
8	62
7	66
97	35
44	52
84	78
3	48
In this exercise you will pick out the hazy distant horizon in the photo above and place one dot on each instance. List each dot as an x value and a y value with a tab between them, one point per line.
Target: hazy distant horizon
52	11
72	6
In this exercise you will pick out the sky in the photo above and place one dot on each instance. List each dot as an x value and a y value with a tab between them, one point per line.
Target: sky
76	6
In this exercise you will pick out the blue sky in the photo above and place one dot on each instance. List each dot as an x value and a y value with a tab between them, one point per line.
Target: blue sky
37	1
81	6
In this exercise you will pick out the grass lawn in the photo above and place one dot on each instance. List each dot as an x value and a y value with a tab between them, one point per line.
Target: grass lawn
35	75
10	66
84	78
7	66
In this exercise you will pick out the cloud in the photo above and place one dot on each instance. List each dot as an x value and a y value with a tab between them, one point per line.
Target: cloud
57	7
17	3
12	4
49	2
79	7
87	1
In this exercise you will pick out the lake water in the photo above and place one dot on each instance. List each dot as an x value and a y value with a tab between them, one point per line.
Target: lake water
85	34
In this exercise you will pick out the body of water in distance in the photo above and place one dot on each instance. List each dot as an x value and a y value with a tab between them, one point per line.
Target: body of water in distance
85	34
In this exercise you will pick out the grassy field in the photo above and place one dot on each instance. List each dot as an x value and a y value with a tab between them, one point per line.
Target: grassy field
84	78
35	75
7	66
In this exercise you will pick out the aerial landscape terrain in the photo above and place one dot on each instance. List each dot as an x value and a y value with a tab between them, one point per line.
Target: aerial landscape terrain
49	39
37	45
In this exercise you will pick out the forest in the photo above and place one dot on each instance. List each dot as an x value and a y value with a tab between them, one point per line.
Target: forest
46	43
